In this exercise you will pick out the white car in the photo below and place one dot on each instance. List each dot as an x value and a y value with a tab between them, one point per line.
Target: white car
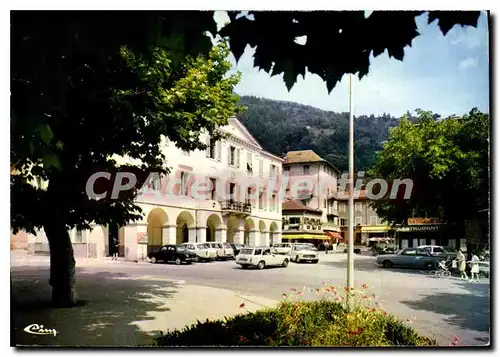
260	257
220	250
229	250
282	248
202	250
438	250
304	252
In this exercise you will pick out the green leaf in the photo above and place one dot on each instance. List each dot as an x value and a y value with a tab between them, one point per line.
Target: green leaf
51	160
45	133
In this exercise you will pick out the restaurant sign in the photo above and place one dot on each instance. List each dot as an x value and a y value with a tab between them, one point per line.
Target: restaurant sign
416	221
420	228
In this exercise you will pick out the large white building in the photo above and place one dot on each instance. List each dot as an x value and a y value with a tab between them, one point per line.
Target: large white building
225	193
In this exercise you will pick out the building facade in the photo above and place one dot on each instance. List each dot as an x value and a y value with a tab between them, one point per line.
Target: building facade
368	227
310	207
226	193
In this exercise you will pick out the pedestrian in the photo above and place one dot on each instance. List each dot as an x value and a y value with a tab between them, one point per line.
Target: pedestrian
116	243
461	265
474	267
326	244
334	247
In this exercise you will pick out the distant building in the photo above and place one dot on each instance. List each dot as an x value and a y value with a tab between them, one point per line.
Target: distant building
368	227
309	209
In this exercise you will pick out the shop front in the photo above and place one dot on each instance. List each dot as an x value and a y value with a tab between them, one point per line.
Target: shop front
315	238
371	235
412	236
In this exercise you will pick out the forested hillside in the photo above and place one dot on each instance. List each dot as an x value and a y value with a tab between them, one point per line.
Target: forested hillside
283	126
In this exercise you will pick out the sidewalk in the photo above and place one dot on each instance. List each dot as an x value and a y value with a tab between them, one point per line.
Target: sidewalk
120	311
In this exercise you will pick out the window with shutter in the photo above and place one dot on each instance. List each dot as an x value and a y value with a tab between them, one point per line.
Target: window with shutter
219	151
232	156
249	164
79	236
207	150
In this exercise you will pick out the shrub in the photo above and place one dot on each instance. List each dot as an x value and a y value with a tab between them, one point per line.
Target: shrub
296	322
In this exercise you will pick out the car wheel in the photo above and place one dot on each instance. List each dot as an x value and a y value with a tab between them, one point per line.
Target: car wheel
261	265
153	260
296	259
387	264
285	263
178	261
429	266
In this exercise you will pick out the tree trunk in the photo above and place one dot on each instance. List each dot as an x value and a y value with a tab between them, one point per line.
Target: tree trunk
62	265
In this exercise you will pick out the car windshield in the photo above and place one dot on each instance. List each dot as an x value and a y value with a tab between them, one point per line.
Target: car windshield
246	251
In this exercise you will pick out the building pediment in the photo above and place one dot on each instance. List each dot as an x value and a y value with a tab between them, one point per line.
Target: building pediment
239	131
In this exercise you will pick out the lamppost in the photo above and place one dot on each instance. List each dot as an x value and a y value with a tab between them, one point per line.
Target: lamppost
350	221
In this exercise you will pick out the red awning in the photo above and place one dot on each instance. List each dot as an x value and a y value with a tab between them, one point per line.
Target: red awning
334	235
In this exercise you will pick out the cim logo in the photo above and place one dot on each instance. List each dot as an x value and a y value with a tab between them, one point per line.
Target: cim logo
36	329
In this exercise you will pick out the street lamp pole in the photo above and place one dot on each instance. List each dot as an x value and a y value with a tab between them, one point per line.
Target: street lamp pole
350	224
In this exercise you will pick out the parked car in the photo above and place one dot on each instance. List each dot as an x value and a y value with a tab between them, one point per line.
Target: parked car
283	248
438	250
228	250
172	253
219	249
260	257
202	250
237	248
410	258
383	249
301	252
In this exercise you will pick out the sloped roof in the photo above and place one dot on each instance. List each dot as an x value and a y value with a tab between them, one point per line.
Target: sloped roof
295	205
305	156
294	157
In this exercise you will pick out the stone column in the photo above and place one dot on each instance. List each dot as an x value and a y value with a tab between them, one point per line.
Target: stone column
275	237
169	234
202	234
131	236
221	235
264	238
192	234
97	242
252	238
239	236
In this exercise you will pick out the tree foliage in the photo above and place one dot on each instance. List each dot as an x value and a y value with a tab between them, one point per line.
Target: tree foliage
123	109
329	33
84	92
448	162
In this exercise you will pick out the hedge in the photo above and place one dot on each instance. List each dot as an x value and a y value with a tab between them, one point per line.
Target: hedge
326	322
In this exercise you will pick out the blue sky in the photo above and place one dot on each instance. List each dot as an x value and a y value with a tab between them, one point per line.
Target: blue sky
448	75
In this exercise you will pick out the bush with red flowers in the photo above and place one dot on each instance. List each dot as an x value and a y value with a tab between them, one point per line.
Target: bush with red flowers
297	321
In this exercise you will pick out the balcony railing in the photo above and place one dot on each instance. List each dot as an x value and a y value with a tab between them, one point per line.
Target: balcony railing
235	206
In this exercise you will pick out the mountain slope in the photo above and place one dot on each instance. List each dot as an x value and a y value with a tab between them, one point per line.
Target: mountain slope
281	126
